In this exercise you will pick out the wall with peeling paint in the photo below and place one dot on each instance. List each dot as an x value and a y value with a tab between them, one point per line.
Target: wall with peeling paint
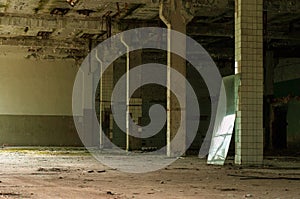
36	101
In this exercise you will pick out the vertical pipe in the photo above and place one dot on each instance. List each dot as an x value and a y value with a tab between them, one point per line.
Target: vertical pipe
162	17
127	95
127	99
101	145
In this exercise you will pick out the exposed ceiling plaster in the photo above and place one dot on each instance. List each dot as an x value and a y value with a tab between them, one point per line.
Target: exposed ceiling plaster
30	23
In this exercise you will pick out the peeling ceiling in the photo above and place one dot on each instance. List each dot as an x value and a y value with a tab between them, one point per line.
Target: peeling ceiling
56	26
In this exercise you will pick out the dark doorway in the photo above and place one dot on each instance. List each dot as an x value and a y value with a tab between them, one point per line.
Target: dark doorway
279	128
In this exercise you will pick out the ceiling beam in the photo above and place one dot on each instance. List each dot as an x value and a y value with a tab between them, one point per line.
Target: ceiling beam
34	42
281	6
211	29
121	1
286	51
291	6
49	21
54	22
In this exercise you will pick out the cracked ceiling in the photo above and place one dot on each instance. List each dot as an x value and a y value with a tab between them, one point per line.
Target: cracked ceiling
54	28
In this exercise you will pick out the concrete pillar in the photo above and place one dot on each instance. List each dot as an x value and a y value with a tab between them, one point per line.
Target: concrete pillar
127	100
269	64
176	17
88	106
249	64
133	59
269	73
105	92
135	104
107	82
119	136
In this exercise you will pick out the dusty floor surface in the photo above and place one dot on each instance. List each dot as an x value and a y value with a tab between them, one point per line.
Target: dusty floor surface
75	174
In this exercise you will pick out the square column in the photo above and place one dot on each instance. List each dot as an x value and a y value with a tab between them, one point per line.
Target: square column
249	64
175	16
106	89
135	102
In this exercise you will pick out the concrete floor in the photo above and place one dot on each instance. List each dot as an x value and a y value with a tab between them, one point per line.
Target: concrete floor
56	173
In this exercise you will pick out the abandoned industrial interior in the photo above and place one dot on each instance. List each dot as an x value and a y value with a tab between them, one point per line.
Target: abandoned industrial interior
63	134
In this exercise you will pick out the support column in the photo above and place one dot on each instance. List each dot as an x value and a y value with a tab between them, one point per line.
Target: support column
176	17
269	73
119	136
88	106
249	64
133	59
107	81
269	64
105	92
135	104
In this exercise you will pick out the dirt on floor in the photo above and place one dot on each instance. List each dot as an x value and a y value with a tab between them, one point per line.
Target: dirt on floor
72	174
